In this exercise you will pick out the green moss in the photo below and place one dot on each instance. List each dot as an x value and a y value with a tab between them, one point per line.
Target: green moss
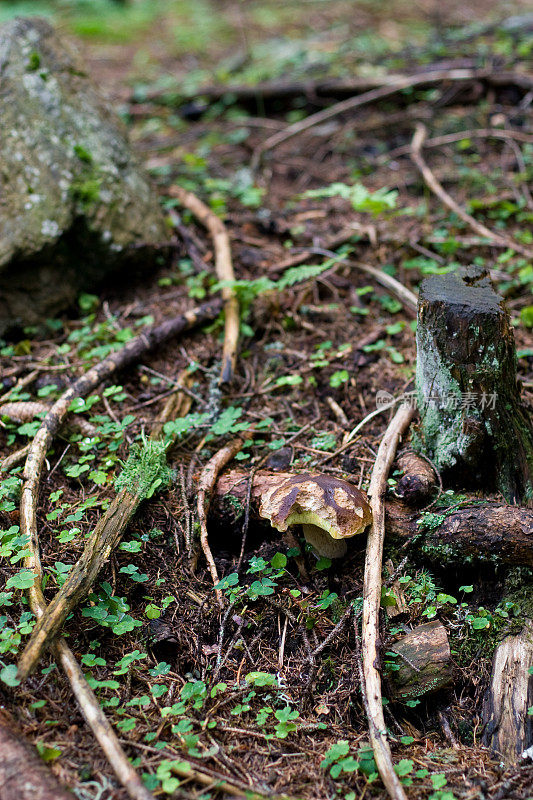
87	191
145	470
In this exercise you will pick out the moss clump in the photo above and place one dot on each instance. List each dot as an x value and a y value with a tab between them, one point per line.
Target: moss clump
145	470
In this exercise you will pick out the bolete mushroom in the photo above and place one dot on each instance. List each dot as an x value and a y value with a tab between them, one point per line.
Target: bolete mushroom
329	510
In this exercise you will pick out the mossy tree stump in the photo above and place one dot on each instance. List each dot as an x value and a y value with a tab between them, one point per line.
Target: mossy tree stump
473	425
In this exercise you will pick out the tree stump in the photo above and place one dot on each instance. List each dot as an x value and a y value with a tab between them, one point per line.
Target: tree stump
474	427
423	662
508	727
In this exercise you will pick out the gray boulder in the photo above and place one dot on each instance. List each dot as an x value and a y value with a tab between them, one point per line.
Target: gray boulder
75	205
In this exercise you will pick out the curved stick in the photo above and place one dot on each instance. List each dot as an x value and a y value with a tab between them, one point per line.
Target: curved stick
224	270
372	599
89	705
393	86
97	551
433	184
206	484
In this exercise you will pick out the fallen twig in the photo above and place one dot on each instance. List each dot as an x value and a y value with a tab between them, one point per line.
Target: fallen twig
23	775
206	482
15	458
28	410
372	599
449	138
433	184
81	577
224	270
89	705
190	770
486	531
282	88
387	88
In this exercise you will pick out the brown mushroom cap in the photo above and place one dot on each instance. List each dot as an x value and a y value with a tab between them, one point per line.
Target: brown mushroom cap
329	508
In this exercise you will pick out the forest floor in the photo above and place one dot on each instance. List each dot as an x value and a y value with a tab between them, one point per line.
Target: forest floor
236	694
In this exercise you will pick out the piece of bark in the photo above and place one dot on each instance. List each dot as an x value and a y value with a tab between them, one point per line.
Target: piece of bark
473	424
486	531
396	593
508	727
23	775
418	484
424	661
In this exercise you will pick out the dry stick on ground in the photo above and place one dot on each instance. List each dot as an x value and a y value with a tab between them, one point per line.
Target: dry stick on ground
372	599
393	86
13	459
433	184
276	89
87	701
26	411
224	270
96	553
450	138
200	773
103	540
206	484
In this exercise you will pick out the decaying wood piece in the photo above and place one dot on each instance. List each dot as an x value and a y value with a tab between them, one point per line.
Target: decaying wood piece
396	605
370	643
508	727
23	774
489	531
424	661
418	484
224	270
473	423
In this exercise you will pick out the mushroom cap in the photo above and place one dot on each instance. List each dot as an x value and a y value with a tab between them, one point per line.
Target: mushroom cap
329	503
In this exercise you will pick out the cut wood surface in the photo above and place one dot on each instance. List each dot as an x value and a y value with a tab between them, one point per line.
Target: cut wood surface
508	726
417	486
23	774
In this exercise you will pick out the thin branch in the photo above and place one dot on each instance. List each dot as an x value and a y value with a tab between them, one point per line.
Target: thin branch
394	85
372	599
433	184
89	705
96	553
224	270
206	484
450	138
13	459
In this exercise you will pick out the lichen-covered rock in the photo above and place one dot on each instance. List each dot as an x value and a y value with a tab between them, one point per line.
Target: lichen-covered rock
75	206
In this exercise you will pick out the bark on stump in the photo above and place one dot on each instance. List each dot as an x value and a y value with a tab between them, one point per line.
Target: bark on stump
509	728
473	423
424	661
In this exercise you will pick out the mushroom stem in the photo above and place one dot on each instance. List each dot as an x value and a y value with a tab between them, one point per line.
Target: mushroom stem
323	543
